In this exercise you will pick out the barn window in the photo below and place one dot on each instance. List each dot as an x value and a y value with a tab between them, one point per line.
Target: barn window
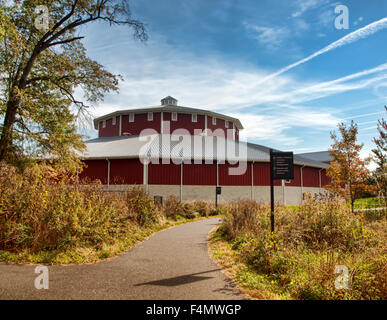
104	124
114	121
174	116
226	124
131	117
150	116
194	117
213	121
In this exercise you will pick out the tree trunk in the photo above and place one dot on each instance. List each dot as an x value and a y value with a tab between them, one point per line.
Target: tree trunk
6	135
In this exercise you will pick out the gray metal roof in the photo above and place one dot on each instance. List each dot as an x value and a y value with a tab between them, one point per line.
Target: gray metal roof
321	156
168	108
184	147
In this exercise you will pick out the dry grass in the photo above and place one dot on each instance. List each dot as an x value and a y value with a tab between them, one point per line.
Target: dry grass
47	216
298	260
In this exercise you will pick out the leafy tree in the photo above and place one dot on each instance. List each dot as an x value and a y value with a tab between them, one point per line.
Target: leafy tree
40	69
348	173
380	158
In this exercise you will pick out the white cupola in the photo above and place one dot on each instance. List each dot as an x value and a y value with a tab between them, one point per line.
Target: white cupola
169	101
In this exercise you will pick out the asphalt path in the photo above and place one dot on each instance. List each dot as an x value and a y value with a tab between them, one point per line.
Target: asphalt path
171	264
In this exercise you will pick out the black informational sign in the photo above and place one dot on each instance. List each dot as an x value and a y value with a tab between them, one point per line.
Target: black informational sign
218	190
281	168
282	165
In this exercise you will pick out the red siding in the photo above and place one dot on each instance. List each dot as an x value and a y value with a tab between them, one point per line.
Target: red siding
325	180
220	125
141	122
164	173
310	177
296	182
126	171
130	171
199	174
110	130
95	170
226	179
184	121
261	173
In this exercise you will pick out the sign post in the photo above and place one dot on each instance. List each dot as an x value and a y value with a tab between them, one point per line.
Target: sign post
218	191
281	168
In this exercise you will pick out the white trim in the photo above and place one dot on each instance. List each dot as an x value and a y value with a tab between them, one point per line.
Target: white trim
131	117
205	125
252	180
103	123
181	181
145	175
161	124
150	116
302	183
174	116
217	173
114	121
194	117
108	172
213	121
226	123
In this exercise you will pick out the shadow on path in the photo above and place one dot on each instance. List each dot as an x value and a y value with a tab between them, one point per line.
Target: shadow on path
177	281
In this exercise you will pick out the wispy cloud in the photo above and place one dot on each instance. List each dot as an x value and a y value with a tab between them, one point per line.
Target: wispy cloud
275	127
304	5
271	38
349	38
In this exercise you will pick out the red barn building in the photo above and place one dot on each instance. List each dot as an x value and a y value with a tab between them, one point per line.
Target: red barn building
188	152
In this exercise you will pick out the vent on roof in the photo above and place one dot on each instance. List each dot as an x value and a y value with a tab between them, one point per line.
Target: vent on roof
169	101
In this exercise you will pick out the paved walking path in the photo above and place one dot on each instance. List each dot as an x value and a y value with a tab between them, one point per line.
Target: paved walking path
172	264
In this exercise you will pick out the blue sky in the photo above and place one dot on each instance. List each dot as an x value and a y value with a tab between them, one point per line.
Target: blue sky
224	55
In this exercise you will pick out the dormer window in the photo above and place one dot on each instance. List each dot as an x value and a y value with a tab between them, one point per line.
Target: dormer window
226	124
131	117
213	121
194	117
104	124
174	116
150	116
114	121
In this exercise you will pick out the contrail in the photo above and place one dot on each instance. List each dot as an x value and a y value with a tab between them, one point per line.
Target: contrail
349	38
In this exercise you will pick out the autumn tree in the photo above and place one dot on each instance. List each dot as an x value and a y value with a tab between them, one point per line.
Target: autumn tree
380	158
40	68
347	171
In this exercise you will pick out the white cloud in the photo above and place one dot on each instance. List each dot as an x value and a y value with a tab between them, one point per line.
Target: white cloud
208	82
275	127
305	5
327	18
358	20
271	38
